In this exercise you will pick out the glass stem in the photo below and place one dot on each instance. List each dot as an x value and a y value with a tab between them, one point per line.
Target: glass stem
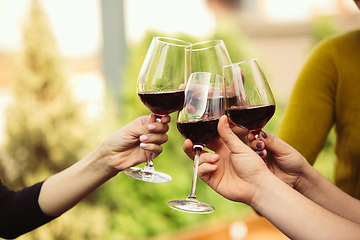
198	149
149	167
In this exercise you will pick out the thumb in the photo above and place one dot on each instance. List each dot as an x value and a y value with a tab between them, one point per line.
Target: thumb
230	139
140	126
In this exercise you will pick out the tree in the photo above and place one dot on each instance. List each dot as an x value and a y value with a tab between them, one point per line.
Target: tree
47	128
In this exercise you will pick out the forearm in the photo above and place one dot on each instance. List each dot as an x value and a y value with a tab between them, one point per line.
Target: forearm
297	216
323	192
64	190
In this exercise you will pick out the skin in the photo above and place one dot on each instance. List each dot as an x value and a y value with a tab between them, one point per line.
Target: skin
280	185
357	3
128	146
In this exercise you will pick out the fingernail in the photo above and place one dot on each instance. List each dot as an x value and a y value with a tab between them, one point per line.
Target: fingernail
259	144
151	127
143	138
227	121
166	118
261	153
263	134
143	145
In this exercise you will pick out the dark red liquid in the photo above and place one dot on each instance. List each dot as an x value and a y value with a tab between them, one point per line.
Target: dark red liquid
231	100
161	103
253	118
200	132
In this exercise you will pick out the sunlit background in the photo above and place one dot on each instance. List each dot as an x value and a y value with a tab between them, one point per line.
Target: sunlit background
103	44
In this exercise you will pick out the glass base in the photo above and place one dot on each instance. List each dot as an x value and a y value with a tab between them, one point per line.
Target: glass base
191	206
147	176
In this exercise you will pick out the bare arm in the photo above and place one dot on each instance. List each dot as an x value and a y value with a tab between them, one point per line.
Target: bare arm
238	173
319	189
290	166
122	149
297	216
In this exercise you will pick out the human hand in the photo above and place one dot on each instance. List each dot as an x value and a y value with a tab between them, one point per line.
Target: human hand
281	158
133	143
240	132
234	171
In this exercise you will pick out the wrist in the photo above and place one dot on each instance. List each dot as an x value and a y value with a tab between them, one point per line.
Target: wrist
307	180
97	162
270	196
65	189
262	190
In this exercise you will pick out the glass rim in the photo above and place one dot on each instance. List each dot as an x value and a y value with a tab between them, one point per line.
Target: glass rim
216	42
210	73
162	39
238	63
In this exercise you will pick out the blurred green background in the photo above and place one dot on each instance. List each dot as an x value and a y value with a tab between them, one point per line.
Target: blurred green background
47	127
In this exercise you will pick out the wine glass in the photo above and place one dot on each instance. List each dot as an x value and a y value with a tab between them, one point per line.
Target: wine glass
204	105
158	87
207	56
250	102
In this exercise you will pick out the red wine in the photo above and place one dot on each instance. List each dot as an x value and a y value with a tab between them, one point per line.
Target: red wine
253	118
231	100
161	103
200	132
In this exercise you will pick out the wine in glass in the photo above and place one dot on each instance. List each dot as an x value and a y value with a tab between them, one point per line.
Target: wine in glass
250	102
158	87
204	105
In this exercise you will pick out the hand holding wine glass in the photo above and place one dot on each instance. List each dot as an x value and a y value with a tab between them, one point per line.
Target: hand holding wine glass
158	87
250	102
204	105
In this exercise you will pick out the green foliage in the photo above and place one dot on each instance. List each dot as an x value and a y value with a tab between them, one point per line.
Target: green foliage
47	129
43	121
237	43
322	27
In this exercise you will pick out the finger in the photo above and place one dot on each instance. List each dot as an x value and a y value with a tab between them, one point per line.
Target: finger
157	127
205	169
275	144
188	148
262	153
230	139
240	132
208	158
165	119
250	136
154	148
152	118
207	165
257	145
154	138
146	125
182	86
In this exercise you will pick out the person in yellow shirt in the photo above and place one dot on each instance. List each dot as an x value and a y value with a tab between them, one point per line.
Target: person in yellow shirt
325	95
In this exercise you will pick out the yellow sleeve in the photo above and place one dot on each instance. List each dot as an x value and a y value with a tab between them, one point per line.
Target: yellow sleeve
310	112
